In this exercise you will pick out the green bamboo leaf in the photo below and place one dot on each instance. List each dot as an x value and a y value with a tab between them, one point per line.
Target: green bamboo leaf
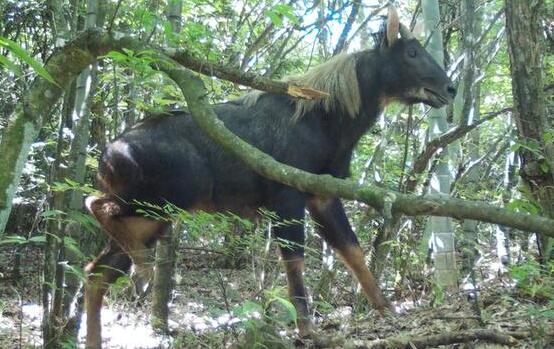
40	239
10	65
22	54
13	239
73	246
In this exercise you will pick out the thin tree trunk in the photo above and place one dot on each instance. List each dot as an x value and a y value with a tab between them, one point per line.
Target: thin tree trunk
441	227
16	143
166	245
524	36
162	285
466	111
64	287
52	277
504	234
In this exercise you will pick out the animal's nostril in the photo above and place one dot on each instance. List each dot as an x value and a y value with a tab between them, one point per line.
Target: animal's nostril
451	90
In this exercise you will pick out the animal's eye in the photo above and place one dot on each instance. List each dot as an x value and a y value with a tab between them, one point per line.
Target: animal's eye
412	52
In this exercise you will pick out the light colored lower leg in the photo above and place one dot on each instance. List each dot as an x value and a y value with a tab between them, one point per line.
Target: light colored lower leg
354	259
94	294
294	269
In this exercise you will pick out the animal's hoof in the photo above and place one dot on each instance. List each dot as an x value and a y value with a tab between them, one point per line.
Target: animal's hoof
305	328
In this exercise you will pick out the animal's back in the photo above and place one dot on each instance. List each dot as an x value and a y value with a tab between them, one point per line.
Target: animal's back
167	158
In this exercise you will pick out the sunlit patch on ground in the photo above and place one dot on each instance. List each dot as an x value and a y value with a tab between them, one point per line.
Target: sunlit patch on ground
126	329
200	313
12	330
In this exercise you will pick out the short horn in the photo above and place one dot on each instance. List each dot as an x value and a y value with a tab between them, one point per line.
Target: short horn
405	32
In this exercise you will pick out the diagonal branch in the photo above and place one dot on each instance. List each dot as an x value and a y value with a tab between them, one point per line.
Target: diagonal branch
422	160
255	81
195	94
341	44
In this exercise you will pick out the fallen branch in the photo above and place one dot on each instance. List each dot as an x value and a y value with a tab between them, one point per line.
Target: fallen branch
201	249
433	341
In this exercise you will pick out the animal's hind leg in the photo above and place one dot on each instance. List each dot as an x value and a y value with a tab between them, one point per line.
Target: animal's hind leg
334	227
135	234
111	263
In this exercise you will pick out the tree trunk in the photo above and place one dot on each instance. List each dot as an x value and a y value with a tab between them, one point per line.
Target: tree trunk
441	227
524	36
166	245
162	285
62	293
466	111
16	143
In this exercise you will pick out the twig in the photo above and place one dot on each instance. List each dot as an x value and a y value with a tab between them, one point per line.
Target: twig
112	20
341	45
226	302
441	142
202	249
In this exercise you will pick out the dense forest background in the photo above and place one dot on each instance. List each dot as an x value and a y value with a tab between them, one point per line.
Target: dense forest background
217	279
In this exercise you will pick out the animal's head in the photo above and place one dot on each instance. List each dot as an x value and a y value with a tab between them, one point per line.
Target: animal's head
409	72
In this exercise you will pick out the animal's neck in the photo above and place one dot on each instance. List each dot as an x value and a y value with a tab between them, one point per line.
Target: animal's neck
348	130
353	128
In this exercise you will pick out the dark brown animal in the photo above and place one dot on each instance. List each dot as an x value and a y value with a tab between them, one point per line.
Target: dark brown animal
167	159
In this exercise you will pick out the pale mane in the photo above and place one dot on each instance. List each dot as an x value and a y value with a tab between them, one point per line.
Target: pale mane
337	77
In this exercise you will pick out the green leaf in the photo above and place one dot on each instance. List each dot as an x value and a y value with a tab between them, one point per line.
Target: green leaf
522	206
10	65
248	308
75	271
40	239
13	239
52	213
286	11
20	53
85	220
118	57
289	307
275	18
73	246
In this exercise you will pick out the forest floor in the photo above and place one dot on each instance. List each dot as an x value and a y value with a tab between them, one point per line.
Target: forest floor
214	307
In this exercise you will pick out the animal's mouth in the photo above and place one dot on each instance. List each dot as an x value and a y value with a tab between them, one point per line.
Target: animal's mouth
434	98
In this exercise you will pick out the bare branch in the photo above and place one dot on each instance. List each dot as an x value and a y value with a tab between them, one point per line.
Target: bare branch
341	44
421	162
255	81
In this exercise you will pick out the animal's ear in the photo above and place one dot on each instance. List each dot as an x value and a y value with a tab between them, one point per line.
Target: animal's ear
393	25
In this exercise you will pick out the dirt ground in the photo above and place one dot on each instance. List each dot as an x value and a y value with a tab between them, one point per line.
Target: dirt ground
214	307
